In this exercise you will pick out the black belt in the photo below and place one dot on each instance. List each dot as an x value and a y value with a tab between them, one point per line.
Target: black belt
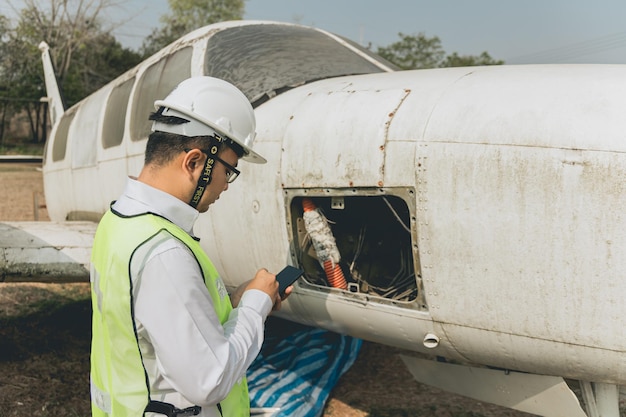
170	411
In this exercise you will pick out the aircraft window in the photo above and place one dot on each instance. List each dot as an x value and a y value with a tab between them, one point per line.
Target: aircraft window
115	115
372	236
265	60
85	131
60	137
156	83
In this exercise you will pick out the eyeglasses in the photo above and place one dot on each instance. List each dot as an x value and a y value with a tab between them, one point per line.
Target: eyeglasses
231	172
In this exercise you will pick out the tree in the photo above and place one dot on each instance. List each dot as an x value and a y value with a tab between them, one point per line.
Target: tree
188	15
67	26
79	47
20	87
454	60
5	74
419	52
85	57
414	52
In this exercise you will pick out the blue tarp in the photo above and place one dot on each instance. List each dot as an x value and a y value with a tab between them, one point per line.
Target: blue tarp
298	367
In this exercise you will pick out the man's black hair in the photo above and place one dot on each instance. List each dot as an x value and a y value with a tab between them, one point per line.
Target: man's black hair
162	147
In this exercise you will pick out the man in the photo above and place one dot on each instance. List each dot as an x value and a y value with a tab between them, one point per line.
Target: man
166	339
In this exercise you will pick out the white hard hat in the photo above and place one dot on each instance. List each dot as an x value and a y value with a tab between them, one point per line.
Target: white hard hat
212	106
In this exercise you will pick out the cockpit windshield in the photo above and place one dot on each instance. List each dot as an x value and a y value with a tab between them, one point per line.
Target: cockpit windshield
266	59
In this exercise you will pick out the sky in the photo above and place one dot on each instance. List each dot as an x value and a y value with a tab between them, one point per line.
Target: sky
518	32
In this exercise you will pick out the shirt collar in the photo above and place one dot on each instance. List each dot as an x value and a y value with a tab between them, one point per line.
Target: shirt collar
140	198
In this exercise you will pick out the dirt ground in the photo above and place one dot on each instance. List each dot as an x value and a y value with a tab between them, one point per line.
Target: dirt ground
45	337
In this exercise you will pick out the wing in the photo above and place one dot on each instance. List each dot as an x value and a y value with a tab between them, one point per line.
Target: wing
45	251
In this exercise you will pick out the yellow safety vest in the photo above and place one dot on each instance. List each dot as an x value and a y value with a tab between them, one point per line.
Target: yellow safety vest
119	382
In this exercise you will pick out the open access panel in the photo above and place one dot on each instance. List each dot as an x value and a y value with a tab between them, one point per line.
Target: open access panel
361	243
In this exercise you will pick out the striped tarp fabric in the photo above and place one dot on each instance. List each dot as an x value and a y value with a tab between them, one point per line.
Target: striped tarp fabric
298	367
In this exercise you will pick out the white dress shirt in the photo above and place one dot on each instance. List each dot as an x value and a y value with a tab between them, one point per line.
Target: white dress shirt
190	358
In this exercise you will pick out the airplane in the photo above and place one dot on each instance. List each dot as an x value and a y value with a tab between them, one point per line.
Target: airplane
474	214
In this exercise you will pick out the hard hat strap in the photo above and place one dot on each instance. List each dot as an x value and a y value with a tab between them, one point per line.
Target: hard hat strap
205	177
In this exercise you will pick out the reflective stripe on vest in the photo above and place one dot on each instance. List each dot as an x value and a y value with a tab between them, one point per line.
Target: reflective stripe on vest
120	385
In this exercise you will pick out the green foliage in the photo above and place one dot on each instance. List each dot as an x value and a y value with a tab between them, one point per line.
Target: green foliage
414	52
188	15
85	57
454	60
16	70
19	147
95	63
419	52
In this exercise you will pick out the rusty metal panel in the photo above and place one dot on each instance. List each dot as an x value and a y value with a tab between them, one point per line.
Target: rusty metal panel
525	241
323	146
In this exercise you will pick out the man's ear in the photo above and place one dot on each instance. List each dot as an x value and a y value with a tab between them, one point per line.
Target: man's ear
193	162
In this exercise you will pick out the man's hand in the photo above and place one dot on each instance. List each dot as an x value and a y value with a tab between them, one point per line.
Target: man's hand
264	281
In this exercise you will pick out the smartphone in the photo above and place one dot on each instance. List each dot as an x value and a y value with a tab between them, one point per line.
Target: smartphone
286	277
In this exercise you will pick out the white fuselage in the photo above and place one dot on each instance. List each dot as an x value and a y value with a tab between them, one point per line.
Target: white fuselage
514	182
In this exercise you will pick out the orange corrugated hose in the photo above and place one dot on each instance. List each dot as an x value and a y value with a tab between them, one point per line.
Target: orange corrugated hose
334	274
308	204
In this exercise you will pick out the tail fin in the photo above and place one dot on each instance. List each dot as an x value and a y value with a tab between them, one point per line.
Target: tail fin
56	104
